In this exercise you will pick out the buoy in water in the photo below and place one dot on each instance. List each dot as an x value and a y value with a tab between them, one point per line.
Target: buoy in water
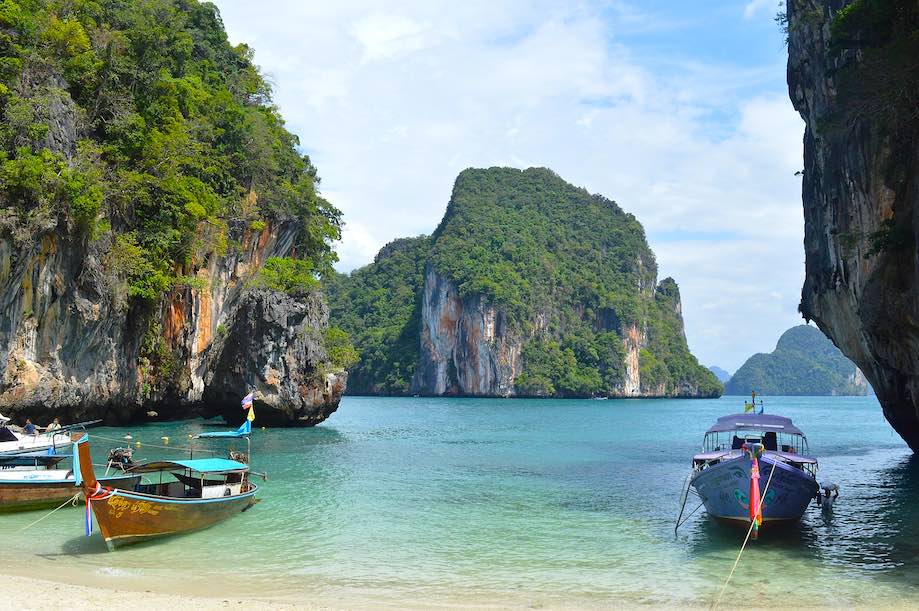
128	437
138	444
165	440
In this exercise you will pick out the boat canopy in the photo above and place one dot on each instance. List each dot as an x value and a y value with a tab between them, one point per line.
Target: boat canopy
222	435
760	422
201	465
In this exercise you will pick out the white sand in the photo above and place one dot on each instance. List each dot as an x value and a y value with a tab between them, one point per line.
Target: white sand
30	593
40	594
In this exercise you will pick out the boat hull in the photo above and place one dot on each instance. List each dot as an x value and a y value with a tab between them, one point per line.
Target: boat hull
128	517
725	487
27	495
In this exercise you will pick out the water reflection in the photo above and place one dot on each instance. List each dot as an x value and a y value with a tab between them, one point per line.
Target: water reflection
875	523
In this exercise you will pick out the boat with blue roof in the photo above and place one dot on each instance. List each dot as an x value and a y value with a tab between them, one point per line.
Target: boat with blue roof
177	496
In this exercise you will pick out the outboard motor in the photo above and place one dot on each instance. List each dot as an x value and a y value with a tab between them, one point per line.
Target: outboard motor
121	458
826	496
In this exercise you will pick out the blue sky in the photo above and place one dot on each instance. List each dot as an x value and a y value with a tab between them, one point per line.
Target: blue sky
676	110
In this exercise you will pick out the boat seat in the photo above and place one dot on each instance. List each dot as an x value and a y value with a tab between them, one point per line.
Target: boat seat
770	441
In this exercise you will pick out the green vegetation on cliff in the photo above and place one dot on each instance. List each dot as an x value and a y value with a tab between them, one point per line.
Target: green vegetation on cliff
142	127
804	362
378	305
570	271
574	274
528	240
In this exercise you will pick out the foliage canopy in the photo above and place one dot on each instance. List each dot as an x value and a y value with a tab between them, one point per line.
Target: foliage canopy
138	122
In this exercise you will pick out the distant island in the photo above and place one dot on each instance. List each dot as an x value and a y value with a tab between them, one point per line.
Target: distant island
804	362
530	287
722	375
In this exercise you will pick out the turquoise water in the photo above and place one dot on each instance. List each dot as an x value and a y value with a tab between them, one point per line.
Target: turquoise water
513	502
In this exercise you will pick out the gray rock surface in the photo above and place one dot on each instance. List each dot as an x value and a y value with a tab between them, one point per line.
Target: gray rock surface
274	347
72	345
857	176
466	347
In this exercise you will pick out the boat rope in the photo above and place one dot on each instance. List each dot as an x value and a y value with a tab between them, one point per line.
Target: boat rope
745	541
72	501
153	445
689	515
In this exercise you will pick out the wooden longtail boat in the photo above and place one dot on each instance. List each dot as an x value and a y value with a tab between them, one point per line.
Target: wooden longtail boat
31	482
189	495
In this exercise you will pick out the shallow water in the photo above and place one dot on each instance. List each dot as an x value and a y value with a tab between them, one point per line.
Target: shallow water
416	501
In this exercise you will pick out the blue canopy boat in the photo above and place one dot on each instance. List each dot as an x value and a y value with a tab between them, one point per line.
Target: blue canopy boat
188	494
743	454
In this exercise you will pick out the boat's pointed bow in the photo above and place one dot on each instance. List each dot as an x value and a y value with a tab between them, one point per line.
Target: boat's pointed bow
83	471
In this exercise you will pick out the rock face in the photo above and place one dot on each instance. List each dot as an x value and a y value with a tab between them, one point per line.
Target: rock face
466	347
560	307
72	346
861	195
274	346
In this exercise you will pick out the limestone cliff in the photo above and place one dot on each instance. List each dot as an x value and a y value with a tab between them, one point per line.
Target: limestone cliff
853	74
528	287
274	347
466	346
72	345
536	288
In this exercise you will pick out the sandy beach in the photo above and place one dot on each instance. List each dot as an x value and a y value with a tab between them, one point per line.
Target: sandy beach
40	594
30	593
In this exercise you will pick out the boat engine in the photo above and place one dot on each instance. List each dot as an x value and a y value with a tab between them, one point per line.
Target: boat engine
121	458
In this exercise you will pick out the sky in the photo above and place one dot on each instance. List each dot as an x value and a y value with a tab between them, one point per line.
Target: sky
677	110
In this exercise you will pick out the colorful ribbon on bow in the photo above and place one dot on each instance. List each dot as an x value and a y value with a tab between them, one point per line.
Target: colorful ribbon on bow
99	494
756	505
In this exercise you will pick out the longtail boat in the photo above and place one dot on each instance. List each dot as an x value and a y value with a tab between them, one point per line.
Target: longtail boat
12	443
187	495
31	481
753	469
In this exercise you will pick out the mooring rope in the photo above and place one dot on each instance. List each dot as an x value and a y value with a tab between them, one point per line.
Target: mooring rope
72	500
153	445
746	539
686	519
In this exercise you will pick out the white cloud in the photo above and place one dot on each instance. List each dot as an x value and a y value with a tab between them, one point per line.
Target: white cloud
385	36
392	104
755	6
